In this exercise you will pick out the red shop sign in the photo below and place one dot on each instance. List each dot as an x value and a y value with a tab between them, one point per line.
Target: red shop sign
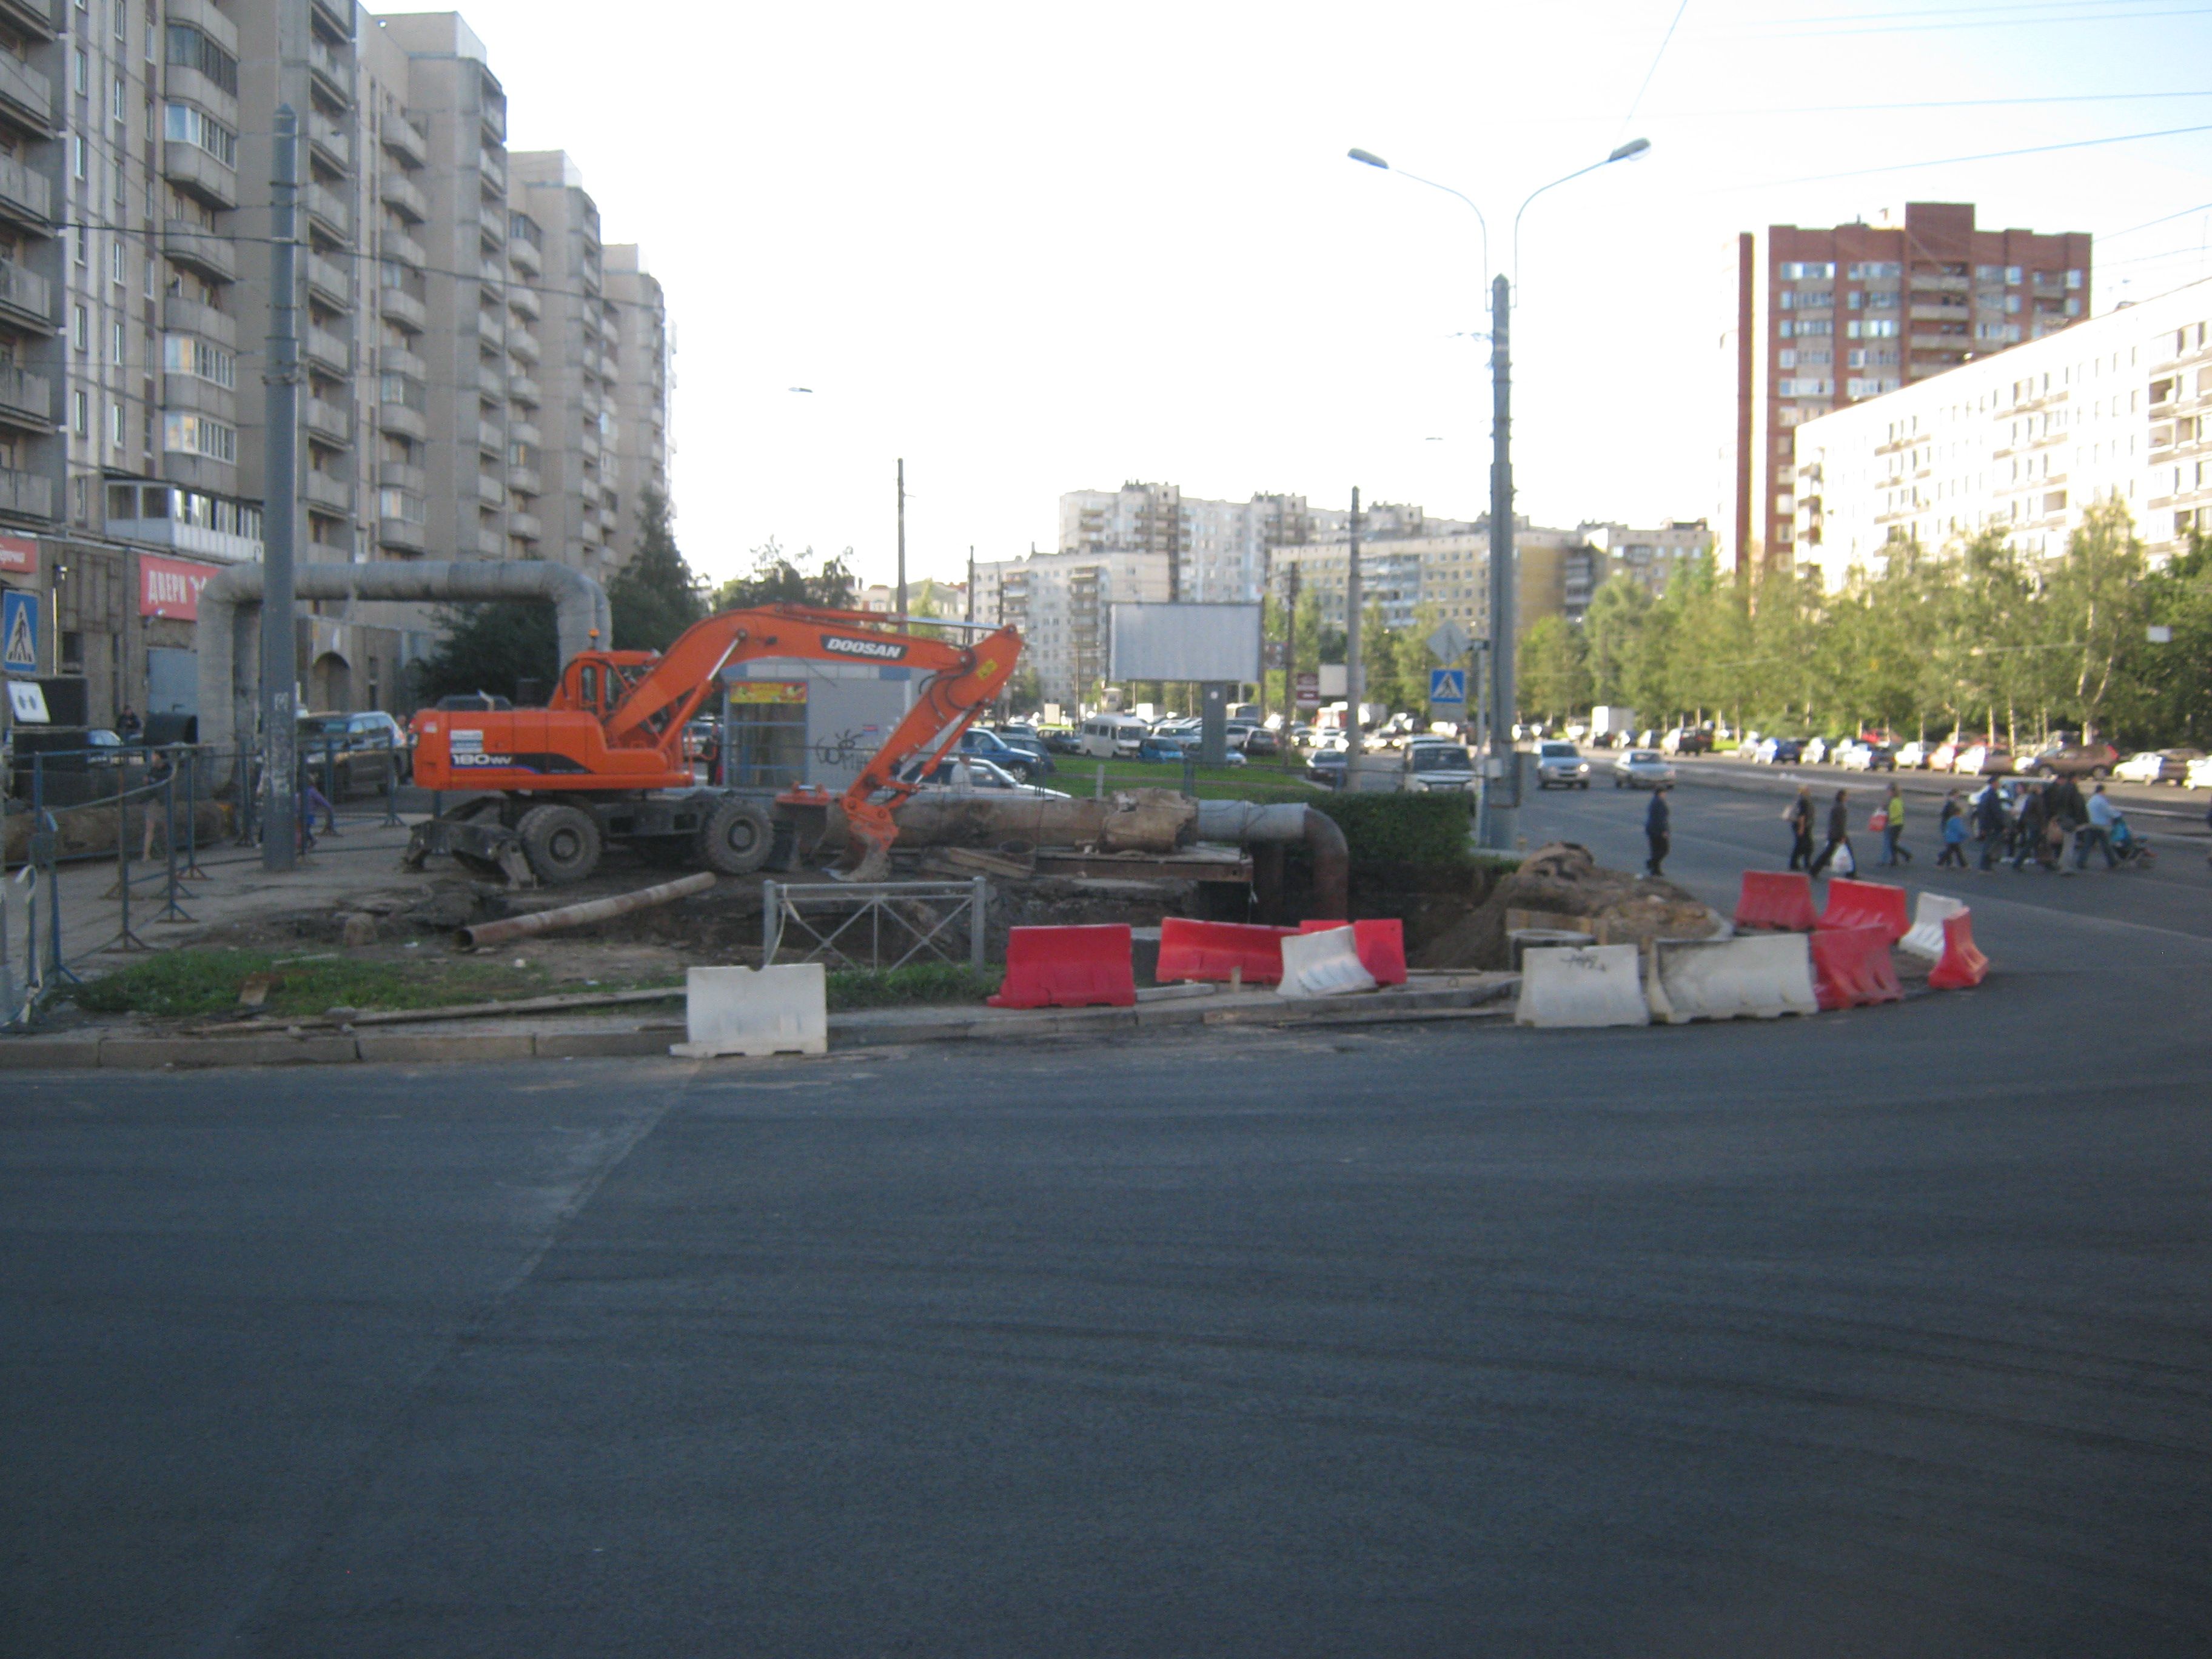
19	556
171	587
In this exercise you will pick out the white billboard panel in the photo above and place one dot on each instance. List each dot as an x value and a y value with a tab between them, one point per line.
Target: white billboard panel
1184	642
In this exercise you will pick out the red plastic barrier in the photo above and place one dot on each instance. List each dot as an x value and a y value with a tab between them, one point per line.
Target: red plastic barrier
1215	950
1852	968
1067	968
1866	904
1381	943
1962	965
1777	898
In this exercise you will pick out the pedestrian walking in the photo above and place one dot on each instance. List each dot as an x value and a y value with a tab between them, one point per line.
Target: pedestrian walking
2098	833
1894	849
1951	827
1657	823
2029	830
1992	824
1798	817
1838	850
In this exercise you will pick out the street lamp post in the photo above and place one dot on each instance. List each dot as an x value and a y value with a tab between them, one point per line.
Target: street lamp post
1501	792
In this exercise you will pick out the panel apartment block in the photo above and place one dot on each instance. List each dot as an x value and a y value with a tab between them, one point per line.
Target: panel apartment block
1824	318
639	316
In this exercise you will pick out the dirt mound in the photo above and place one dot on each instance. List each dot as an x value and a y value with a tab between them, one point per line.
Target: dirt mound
1562	880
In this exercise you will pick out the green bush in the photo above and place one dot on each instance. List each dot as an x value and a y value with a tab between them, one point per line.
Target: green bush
917	984
1403	828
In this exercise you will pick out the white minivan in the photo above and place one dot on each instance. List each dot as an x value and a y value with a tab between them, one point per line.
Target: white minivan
1111	737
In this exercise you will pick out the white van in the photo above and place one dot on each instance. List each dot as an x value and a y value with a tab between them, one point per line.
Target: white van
1111	736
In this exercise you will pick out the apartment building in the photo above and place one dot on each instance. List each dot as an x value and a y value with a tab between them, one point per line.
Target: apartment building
136	222
2117	407
1216	551
1825	318
1060	603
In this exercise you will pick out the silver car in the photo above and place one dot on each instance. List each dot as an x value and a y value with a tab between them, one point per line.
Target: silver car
1560	765
1642	768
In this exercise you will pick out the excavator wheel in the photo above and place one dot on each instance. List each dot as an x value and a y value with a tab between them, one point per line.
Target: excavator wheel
737	839
563	843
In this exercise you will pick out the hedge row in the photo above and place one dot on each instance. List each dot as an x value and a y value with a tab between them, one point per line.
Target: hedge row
1403	828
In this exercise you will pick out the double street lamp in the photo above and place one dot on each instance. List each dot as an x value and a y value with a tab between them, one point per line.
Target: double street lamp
1501	791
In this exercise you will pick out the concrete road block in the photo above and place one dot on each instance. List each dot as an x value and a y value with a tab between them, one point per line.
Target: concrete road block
1925	937
1752	976
782	1010
1323	965
1581	986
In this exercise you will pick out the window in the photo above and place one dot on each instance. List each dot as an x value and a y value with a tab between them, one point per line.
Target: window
186	354
400	504
1880	328
195	434
81	415
81	327
2012	273
182	124
2073	279
79	71
1867	269
1799	271
115	425
1786	359
1809	329
115	343
1881	301
77	156
115	261
190	49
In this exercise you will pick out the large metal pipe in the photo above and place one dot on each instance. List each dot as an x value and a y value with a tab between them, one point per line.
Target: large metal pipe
576	916
580	614
1248	824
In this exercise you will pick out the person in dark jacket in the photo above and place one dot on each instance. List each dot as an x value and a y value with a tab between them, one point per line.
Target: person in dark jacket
1989	822
1799	818
1657	821
2028	830
1839	834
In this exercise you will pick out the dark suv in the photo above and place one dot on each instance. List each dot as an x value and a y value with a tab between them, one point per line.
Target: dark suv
2071	760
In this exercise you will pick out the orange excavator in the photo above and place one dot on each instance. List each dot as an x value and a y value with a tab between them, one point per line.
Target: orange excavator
604	762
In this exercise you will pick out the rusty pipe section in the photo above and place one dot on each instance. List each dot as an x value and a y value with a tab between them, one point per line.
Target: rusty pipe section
576	916
1248	824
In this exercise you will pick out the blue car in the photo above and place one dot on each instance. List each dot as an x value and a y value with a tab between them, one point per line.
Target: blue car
1161	748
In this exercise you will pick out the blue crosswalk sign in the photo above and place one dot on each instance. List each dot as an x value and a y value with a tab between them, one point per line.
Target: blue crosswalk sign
19	632
1447	685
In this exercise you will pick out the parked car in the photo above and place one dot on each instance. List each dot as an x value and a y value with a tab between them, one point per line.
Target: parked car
1560	763
1867	758
1261	743
1061	739
1913	756
1642	768
969	775
2200	774
1105	736
1024	742
1687	740
1984	759
2071	760
1326	766
2158	765
1780	751
1944	757
361	747
990	746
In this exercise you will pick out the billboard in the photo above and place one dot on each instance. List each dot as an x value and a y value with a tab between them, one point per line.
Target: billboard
1184	642
171	587
19	556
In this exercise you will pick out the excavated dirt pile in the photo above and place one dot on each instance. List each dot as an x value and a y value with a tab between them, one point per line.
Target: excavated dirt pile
1563	880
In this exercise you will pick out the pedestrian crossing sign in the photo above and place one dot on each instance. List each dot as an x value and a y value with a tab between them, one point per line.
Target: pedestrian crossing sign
1447	685
19	632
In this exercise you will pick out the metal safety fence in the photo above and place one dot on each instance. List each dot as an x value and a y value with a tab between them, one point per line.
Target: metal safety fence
873	925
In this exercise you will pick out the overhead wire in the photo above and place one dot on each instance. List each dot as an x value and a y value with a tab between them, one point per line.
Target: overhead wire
1958	161
1637	102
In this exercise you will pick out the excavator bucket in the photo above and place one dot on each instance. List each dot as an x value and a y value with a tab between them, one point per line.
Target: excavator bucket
874	864
869	833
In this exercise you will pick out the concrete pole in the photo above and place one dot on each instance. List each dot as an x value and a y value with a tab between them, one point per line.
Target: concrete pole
1501	789
971	582
280	667
899	609
1290	665
1355	682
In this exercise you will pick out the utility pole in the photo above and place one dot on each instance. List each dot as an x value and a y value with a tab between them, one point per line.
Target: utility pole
971	582
1289	667
1502	782
1355	683
280	666
899	607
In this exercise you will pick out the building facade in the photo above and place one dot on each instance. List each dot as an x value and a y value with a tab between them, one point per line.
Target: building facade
1060	603
2116	408
1216	552
135	223
1825	318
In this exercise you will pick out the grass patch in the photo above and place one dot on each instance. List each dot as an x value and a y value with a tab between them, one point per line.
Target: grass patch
1260	780
912	986
177	984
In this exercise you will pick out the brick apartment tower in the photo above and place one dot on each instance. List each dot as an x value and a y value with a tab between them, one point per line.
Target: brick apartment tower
1826	317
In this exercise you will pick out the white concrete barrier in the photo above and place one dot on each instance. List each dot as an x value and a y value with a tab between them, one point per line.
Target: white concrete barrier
1751	976
782	1010
1582	985
1925	938
1323	965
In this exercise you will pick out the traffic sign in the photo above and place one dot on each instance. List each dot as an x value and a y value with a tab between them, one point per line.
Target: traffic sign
1447	685
1449	642
1309	690
19	632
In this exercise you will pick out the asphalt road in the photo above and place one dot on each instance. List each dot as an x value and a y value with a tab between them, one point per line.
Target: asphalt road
1881	1333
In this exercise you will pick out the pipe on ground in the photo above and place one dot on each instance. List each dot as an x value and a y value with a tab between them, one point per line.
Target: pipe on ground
1248	824
229	623
576	916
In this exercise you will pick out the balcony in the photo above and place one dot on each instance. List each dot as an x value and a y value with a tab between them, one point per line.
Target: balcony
26	400
330	141
493	275
191	168
180	392
493	166
402	420
395	190
26	494
25	196
37	16
404	534
491	224
330	494
523	343
590	444
332	423
400	305
406	140
333	71
397	360
402	249
338	17
609	371
210	253
326	350
399	475
491	381
329	209
26	96
490	489
490	543
523	390
183	316
525	527
330	282
524	301
491	332
490	439
523	480
526	255
26	296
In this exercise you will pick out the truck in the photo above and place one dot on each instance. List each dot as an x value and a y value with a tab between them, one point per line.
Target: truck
1612	725
603	762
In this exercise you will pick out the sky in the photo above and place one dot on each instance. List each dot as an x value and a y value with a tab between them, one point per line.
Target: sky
1031	249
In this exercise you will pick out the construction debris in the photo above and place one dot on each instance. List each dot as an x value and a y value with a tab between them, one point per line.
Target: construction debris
1565	886
576	916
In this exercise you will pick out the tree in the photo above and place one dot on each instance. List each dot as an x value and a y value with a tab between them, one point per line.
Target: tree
492	648
1553	679
654	597
1612	625
774	578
